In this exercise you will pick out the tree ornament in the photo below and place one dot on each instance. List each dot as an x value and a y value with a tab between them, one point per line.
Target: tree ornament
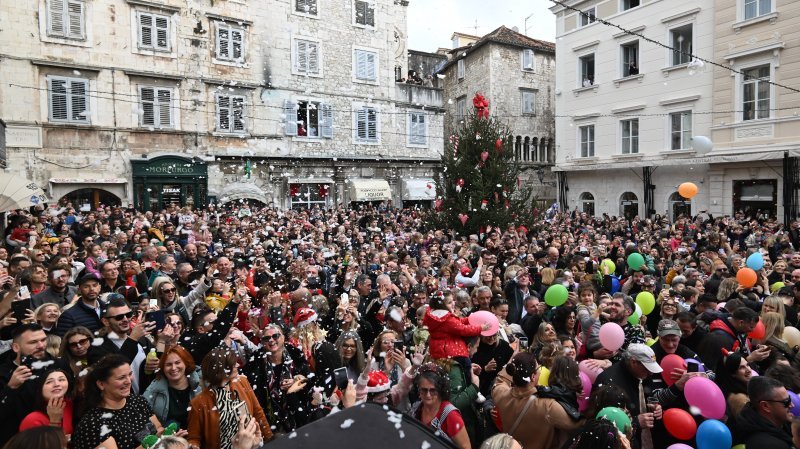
460	182
484	155
498	145
484	204
477	136
458	189
481	105
438	204
463	218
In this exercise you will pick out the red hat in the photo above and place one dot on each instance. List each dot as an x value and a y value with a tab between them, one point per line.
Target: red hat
465	271
378	382
304	316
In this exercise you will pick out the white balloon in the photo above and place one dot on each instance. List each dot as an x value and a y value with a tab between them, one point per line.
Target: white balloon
702	144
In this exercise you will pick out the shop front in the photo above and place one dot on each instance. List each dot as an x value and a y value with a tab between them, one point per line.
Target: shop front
306	193
166	180
368	190
419	193
89	193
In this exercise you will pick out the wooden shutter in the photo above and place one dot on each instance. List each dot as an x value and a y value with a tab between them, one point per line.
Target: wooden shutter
372	124
145	30
224	113
165	108
162	33
237	106
369	14
55	16
75	19
290	117
326	120
527	59
301	50
361	64
148	106
58	99
223	42
78	90
237	42
313	57
361	124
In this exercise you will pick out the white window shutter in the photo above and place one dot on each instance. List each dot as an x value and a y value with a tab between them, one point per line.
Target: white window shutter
326	120
313	57
361	64
461	68
148	106
223	43
165	108
371	64
145	30
361	124
238	114
302	56
78	90
58	99
370	14
237	41
75	19
162	32
290	117
372	121
224	113
527	59
55	16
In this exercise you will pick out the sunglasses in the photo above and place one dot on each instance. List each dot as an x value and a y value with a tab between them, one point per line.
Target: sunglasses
167	290
81	342
724	270
785	402
276	337
432	391
121	316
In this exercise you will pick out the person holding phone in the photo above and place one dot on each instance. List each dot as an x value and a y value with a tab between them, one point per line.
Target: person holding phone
167	298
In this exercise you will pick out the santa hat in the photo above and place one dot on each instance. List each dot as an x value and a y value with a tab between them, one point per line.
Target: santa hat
465	271
304	316
378	382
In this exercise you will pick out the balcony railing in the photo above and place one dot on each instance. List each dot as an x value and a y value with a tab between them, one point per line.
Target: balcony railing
419	95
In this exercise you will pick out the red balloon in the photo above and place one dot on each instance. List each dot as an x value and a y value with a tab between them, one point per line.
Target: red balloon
680	424
669	363
759	332
746	277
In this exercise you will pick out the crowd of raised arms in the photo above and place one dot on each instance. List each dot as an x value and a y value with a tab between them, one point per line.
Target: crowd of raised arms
233	327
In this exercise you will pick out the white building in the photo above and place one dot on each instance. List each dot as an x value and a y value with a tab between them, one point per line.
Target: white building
627	109
289	103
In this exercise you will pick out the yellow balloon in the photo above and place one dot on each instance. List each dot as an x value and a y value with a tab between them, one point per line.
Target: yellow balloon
544	377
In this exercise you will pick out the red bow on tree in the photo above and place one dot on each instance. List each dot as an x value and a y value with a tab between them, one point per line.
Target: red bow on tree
481	105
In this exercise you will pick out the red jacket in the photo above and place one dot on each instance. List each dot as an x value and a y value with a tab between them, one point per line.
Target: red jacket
447	335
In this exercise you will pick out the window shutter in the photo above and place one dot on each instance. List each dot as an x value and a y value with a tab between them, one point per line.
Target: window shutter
148	106
162	32
56	17
372	124
145	30
58	99
75	19
290	117
223	113
369	17
527	59
371	64
237	40
238	114
361	64
361	124
223	50
78	90
326	120
302	56
313	57
165	108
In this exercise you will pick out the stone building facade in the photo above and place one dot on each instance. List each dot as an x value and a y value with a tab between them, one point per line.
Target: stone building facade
517	75
293	104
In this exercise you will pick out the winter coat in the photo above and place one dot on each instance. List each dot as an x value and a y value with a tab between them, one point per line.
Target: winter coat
448	333
199	345
157	395
185	306
78	315
755	431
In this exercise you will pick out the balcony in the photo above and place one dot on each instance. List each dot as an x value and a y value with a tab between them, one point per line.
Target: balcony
419	95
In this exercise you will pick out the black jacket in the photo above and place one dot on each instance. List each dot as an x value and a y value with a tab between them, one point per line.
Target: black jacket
199	345
78	315
753	430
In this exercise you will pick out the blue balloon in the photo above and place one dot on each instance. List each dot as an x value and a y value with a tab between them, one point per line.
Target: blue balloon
614	284
755	261
712	434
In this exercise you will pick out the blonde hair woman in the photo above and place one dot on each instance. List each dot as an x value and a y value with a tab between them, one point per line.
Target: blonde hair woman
773	304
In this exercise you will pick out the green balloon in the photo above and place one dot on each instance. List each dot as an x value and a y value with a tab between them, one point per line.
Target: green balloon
617	416
635	261
635	316
556	295
612	267
646	301
738	446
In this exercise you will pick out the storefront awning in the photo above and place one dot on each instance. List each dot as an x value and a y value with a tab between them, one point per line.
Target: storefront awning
710	158
310	181
17	192
242	191
88	180
419	190
369	190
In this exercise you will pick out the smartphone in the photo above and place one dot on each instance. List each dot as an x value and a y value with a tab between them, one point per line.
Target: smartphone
344	300
523	342
398	345
156	316
20	309
241	410
340	377
692	367
26	360
24	292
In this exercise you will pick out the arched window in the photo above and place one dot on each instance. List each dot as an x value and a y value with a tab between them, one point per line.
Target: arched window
526	149
518	148
543	150
551	156
628	205
534	145
586	201
679	205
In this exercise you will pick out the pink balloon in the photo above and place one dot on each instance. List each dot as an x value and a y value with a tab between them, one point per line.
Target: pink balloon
583	398
680	446
706	396
482	317
612	337
590	373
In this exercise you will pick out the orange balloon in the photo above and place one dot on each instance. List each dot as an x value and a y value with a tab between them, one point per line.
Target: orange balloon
687	190
746	277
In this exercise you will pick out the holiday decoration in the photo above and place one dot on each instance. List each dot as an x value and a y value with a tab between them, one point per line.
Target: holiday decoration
463	218
498	145
481	106
484	155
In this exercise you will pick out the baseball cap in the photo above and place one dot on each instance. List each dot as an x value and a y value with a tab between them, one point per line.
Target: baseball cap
645	355
668	327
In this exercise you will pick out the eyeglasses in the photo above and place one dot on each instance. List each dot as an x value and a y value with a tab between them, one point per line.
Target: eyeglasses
121	316
724	270
785	402
430	391
276	336
168	290
81	342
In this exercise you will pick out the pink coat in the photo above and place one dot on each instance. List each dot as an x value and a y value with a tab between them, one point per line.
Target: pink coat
448	333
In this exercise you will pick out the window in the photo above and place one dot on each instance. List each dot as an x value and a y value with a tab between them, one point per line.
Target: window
682	43
309	119
756	93
628	4
306	7
417	129
461	108
153	31
628	205
587	17
630	59
65	19
681	130
756	8
365	65
528	102
69	99
630	136
528	62
306	56
587	70
367	124
365	13
156	103
461	69
587	203
230	42
587	140
230	114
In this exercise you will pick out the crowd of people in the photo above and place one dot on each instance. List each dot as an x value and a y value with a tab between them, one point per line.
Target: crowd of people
230	327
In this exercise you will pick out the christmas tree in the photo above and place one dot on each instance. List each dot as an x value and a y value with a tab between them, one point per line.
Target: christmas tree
480	182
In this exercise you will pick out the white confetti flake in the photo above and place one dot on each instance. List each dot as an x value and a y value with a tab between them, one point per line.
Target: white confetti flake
347	423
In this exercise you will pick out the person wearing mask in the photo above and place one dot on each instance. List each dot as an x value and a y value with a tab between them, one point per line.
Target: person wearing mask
86	311
766	420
